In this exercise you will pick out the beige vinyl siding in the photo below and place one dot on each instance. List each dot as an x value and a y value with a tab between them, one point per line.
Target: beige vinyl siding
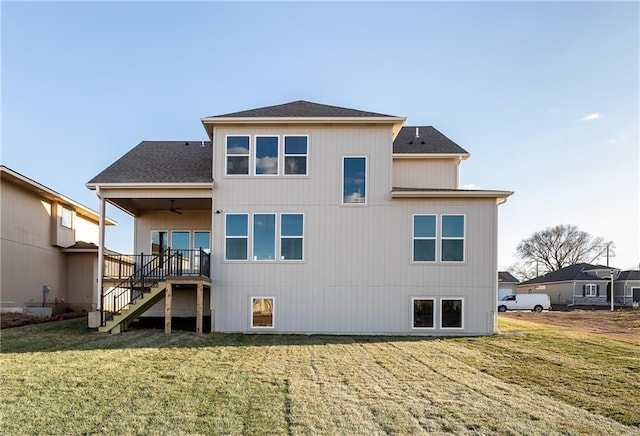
357	275
28	260
82	271
425	173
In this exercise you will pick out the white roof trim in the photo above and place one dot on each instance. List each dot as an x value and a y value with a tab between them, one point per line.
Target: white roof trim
461	156
453	193
177	185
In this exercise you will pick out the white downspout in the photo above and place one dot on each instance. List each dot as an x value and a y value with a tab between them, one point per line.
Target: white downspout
213	230
573	294
101	238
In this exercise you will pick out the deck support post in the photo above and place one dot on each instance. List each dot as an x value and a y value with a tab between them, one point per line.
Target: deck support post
167	308
199	304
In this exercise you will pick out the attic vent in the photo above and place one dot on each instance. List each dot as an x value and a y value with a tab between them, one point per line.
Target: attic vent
422	142
417	132
410	142
186	143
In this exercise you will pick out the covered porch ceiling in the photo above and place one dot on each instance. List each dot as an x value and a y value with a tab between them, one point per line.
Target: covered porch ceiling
137	206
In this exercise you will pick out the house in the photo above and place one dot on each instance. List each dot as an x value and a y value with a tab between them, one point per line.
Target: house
309	218
586	284
48	250
506	284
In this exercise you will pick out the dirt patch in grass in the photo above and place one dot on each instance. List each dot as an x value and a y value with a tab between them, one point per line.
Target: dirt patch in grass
621	324
10	319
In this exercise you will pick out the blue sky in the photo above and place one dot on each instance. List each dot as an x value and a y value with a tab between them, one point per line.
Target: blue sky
545	96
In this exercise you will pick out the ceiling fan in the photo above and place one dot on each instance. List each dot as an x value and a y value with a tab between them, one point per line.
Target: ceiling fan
175	209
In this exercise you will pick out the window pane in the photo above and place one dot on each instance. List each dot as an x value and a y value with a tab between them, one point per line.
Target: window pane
452	313
237	165
180	241
424	250
202	240
237	225
158	242
264	237
66	218
291	225
262	312
237	145
354	180
291	248
295	165
423	313
424	226
295	145
267	155
236	249
452	250
453	226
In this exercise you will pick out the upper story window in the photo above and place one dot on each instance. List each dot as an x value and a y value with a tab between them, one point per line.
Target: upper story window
66	217
266	162
354	180
236	236
237	150
264	236
295	155
424	238
452	249
291	236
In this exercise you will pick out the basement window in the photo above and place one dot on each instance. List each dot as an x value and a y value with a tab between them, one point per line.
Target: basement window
262	312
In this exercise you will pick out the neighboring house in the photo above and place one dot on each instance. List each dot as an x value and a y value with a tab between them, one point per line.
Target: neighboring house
48	251
585	284
310	219
507	284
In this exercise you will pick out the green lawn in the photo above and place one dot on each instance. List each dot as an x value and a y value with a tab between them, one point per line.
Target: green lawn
62	378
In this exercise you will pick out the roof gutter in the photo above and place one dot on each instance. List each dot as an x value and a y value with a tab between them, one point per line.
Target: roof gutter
200	185
459	156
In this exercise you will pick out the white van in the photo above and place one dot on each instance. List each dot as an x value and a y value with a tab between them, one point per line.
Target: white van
535	302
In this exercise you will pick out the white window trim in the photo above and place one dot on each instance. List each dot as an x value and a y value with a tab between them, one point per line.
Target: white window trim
255	155
248	155
275	236
284	156
279	236
435	308
413	238
366	181
248	237
273	312
588	288
461	314
451	238
630	289
61	210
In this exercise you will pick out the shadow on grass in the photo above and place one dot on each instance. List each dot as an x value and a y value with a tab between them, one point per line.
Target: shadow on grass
70	335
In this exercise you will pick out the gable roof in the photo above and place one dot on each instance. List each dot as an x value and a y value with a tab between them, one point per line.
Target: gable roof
569	273
425	140
301	108
161	162
507	277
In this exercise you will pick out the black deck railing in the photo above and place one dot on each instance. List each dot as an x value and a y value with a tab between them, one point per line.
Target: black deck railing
143	271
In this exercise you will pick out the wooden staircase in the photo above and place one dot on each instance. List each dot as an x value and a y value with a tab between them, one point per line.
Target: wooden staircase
121	320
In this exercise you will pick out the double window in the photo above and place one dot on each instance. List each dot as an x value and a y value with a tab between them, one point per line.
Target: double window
266	230
590	290
451	236
424	313
267	155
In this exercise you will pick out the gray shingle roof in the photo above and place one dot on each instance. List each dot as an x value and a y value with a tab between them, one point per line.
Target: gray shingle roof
301	108
161	162
506	277
569	273
629	275
429	140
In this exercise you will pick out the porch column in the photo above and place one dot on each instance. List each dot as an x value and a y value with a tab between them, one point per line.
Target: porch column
100	249
167	308
199	304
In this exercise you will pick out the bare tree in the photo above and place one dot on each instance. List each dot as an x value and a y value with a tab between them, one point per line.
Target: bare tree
560	246
524	270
